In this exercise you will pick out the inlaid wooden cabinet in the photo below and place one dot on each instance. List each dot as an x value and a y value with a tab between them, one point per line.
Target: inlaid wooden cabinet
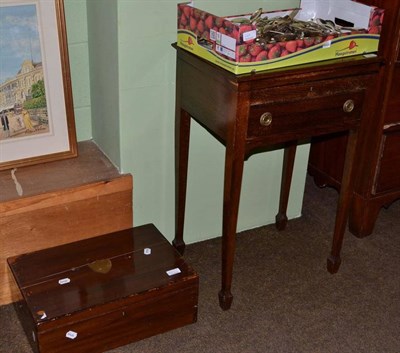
378	167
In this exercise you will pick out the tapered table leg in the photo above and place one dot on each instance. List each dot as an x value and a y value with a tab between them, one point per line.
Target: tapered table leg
287	172
345	196
234	162
182	137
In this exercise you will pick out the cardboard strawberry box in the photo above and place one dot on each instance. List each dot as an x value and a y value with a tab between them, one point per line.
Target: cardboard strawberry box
261	40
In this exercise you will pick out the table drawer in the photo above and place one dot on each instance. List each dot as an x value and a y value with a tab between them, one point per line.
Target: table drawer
300	110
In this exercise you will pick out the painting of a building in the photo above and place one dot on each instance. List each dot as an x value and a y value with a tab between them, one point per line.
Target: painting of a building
17	90
14	94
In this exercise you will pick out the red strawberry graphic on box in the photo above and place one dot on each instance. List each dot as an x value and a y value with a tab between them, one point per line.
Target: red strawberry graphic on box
196	13
200	26
291	46
241	50
235	34
255	49
351	46
275	52
209	22
376	20
219	21
184	20
186	10
245	58
193	23
189	41
374	30
262	56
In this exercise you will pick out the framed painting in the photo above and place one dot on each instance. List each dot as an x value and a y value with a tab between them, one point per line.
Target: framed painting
36	107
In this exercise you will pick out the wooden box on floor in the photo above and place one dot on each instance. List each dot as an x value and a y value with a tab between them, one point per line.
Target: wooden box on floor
58	203
100	293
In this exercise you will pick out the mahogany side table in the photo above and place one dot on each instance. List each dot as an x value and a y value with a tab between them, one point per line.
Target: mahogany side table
269	109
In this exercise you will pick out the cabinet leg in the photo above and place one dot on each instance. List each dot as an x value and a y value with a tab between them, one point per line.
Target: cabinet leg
287	172
363	215
345	197
182	137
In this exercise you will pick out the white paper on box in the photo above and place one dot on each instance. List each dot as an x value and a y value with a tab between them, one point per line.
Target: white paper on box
250	35
222	50
228	42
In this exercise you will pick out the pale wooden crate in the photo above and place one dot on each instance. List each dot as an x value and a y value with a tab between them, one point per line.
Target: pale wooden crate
62	202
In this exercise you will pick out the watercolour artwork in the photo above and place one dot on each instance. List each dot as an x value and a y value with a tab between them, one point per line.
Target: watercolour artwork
23	106
36	108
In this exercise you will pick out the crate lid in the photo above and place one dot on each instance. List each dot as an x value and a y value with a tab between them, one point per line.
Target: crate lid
70	278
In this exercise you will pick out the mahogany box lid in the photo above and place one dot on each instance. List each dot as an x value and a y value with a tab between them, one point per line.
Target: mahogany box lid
83	275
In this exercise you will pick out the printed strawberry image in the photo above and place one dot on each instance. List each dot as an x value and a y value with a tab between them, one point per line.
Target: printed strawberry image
197	13
186	11
275	52
209	22
183	20
291	46
241	50
374	30
330	37
352	45
200	26
376	20
255	49
219	21
300	43
189	41
245	58
193	23
235	34
229	26
262	56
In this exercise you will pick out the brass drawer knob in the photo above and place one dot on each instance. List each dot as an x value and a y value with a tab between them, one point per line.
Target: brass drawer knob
266	119
348	106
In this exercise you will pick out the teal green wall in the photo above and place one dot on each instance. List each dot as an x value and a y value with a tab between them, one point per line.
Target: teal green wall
132	90
102	20
76	18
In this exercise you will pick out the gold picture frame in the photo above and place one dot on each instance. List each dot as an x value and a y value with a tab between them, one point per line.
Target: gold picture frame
36	104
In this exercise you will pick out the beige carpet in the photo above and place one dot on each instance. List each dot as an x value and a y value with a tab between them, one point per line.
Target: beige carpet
284	299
